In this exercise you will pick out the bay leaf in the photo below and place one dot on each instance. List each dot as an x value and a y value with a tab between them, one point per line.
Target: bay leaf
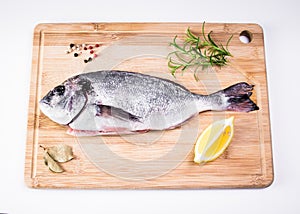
53	166
61	153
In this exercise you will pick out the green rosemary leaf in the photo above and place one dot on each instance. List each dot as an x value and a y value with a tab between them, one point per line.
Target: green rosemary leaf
195	76
180	58
203	34
171	53
196	53
210	39
191	37
227	43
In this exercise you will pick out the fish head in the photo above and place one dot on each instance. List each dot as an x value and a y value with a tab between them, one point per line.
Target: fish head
64	102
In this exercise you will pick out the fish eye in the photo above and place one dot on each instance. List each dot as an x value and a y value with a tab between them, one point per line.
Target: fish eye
60	90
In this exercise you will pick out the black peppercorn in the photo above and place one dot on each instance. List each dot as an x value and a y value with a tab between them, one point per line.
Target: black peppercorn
76	54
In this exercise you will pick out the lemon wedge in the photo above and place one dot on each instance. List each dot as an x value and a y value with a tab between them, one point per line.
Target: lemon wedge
214	140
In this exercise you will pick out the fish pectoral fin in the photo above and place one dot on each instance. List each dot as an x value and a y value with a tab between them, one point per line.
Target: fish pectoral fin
110	111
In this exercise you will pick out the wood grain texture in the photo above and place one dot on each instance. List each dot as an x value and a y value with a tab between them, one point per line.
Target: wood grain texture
247	163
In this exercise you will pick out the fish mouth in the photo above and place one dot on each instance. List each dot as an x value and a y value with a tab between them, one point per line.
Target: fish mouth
44	104
45	107
44	101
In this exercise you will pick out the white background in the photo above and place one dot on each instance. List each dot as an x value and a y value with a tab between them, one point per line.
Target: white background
280	21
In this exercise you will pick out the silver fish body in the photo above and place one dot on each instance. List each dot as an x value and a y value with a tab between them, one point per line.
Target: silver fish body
120	102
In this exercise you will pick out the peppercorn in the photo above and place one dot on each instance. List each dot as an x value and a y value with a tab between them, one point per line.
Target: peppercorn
91	52
76	54
97	45
72	45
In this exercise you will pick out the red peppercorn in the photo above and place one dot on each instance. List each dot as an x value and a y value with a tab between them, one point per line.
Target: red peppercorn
85	48
91	52
90	47
97	45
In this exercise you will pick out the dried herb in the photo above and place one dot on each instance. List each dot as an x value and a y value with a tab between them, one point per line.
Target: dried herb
60	153
52	164
197	53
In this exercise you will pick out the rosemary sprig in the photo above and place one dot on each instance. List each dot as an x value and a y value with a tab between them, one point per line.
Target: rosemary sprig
196	53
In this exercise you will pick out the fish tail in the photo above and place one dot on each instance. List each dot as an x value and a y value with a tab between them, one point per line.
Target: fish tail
237	98
233	98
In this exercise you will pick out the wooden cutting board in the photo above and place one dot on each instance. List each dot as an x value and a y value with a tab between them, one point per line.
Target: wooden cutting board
153	160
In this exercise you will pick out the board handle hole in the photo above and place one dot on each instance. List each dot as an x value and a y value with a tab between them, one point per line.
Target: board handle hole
245	36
